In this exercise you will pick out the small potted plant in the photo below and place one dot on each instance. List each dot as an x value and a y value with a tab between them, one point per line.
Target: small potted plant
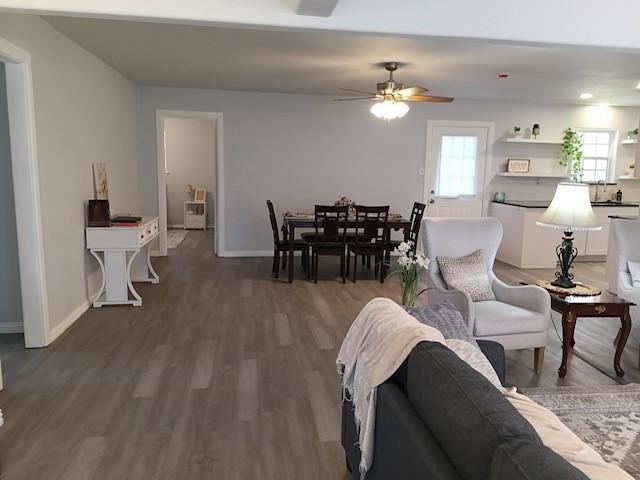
517	132
571	155
631	134
409	265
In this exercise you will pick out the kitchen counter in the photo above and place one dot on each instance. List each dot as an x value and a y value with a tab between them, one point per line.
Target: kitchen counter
546	203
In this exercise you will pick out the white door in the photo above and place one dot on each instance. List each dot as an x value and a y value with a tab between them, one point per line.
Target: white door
456	159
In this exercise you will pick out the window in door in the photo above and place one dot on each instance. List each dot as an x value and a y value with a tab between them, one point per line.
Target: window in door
597	154
457	170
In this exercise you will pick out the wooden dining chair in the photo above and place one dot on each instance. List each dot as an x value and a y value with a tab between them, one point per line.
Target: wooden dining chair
281	245
370	238
330	236
412	235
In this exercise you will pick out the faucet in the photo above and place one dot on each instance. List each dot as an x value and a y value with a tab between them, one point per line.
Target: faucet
597	196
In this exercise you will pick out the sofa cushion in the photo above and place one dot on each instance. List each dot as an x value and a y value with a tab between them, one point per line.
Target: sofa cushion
464	411
444	317
467	274
498	318
523	460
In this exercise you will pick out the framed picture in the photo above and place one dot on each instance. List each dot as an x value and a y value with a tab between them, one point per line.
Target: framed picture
100	187
200	195
518	165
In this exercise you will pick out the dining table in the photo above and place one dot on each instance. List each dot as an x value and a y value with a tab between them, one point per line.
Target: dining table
291	221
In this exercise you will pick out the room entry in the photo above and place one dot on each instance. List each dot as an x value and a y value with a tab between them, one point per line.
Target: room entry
457	155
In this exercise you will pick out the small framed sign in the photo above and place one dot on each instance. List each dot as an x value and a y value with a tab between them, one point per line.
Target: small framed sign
518	165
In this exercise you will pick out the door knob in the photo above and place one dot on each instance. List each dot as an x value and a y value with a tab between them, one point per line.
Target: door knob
432	201
432	192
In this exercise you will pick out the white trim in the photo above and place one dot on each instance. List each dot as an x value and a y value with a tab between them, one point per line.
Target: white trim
24	162
180	226
11	327
488	167
69	320
219	219
155	253
250	253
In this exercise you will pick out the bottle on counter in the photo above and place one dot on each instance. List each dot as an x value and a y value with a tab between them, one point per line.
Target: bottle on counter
619	196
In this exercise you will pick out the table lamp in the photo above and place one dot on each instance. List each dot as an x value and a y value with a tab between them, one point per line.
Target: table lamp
571	211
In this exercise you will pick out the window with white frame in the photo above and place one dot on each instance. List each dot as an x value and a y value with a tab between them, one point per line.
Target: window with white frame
597	154
457	172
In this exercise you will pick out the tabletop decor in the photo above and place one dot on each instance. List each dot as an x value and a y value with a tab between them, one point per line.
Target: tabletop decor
571	211
580	290
342	201
571	154
409	265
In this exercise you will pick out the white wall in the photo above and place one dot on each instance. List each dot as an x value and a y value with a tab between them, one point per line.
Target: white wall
10	295
85	112
300	149
191	157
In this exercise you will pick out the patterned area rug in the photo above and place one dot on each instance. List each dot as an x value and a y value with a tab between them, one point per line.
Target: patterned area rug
606	418
175	237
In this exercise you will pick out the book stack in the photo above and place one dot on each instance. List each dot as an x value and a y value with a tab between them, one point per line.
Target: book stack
125	221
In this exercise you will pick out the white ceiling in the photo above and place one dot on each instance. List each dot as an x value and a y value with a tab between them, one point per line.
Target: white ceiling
319	62
612	23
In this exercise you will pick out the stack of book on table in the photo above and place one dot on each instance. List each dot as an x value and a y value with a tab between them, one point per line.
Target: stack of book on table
125	221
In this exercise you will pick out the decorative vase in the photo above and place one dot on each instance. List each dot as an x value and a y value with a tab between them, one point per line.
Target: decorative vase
409	290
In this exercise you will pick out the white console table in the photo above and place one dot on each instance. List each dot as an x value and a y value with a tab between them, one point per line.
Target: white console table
124	257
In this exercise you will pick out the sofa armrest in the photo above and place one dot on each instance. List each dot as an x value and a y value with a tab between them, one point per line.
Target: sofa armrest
529	297
458	299
495	354
403	446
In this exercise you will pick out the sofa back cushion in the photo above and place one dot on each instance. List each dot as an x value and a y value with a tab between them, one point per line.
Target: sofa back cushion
523	460
465	412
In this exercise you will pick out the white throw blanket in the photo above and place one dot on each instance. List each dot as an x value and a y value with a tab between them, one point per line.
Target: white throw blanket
379	340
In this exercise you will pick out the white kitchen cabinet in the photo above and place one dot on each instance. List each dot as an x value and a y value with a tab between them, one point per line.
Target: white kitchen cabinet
527	245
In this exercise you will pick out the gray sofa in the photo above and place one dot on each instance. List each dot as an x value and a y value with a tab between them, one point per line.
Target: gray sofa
437	418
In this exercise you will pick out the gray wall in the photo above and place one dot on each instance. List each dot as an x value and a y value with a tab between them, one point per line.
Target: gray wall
301	149
191	157
10	296
85	112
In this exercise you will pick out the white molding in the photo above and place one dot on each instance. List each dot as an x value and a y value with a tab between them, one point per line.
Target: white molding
24	162
11	327
249	253
219	218
179	226
155	253
70	319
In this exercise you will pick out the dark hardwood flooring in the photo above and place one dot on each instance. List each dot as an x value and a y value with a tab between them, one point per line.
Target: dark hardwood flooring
223	373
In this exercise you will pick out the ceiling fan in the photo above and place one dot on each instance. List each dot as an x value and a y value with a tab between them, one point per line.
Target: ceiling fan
392	95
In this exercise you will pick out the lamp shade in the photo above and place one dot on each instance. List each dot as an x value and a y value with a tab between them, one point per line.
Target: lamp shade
570	209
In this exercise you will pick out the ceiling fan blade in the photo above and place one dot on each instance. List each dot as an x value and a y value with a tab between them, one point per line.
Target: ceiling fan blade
429	98
357	91
351	99
411	91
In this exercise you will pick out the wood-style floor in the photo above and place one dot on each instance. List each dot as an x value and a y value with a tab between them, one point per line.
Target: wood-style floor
223	373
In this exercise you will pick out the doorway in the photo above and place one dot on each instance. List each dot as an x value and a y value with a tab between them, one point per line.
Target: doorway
189	183
457	160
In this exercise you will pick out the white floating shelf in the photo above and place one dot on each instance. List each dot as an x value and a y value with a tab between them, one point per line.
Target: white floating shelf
629	141
628	178
531	175
541	141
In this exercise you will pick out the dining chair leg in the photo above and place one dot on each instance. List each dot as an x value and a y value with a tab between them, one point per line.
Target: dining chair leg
368	261
355	266
376	266
276	263
342	269
364	261
348	261
383	269
305	259
285	255
315	270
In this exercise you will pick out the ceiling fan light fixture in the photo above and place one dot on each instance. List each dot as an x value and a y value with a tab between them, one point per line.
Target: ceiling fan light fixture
389	109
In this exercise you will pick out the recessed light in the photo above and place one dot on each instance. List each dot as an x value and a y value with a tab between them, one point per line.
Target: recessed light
586	95
638	86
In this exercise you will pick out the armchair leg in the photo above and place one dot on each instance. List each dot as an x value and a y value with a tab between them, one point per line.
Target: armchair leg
538	359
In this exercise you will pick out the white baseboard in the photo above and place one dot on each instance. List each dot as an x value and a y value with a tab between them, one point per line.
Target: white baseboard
59	329
181	226
11	327
155	253
249	253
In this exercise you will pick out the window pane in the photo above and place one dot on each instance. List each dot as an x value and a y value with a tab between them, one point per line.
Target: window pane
590	138
589	164
457	170
600	175
603	138
588	176
601	165
602	151
589	150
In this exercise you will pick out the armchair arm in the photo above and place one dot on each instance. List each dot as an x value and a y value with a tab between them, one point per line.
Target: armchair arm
530	297
462	301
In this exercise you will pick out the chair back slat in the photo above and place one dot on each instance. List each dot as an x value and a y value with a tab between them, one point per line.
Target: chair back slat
371	223
274	222
331	222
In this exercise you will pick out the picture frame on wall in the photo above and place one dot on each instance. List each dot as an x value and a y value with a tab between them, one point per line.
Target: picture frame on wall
518	165
200	195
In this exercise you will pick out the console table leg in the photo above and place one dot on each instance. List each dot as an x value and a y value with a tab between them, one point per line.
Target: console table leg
568	324
622	341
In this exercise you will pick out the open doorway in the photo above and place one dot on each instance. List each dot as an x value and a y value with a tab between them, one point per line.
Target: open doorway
10	292
188	185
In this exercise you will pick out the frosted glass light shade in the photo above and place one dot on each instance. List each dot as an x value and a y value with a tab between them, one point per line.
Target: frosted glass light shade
570	209
389	109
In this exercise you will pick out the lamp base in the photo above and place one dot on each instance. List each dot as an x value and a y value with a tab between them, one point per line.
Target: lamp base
566	254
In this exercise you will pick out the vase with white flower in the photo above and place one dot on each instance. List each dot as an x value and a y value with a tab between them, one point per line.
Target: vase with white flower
409	265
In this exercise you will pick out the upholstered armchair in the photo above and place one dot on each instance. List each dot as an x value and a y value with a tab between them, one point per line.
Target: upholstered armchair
519	316
627	247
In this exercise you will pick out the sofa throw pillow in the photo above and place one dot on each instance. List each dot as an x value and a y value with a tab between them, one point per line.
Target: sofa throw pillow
467	274
634	270
444	317
523	460
445	391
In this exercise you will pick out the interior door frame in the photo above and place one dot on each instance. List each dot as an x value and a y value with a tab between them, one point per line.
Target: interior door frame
488	167
218	219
